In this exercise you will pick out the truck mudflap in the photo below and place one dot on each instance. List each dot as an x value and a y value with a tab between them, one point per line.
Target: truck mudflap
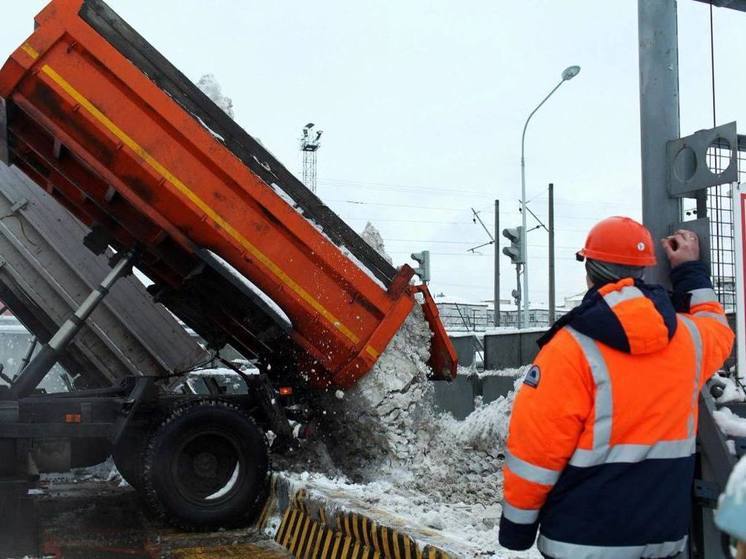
104	123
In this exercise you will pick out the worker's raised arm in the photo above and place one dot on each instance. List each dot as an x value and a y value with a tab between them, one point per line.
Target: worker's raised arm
693	288
549	413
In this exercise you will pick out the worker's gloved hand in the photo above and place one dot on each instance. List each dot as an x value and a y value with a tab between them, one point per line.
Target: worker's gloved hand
682	246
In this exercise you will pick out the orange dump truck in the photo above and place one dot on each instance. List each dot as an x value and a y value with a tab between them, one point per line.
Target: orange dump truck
97	117
235	245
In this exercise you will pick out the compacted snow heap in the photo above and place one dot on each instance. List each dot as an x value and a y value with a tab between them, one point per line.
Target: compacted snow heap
386	429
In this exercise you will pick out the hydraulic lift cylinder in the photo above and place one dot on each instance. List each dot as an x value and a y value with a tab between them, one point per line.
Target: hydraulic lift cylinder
37	369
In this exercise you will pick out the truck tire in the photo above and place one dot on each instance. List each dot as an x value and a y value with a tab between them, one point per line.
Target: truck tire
129	456
206	467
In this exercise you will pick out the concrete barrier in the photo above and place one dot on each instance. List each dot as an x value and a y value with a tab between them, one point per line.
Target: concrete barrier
466	348
495	386
509	350
458	396
319	524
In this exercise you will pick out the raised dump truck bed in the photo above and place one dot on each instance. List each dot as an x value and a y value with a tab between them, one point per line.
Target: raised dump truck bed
103	122
46	273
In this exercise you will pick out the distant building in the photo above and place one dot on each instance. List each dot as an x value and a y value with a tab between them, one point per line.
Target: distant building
460	315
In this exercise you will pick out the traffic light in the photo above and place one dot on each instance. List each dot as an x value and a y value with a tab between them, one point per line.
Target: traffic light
423	270
517	237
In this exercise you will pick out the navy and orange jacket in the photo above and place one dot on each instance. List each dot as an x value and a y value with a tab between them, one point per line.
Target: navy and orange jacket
600	452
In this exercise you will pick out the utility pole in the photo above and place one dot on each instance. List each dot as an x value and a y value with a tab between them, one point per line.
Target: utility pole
552	302
496	305
659	120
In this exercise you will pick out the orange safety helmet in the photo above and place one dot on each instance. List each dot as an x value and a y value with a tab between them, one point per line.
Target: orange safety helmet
619	240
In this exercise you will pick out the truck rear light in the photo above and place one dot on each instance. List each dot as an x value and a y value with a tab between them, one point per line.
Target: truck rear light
72	418
286	391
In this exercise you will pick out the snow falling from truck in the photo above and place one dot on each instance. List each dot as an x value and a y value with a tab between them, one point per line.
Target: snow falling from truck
384	442
210	87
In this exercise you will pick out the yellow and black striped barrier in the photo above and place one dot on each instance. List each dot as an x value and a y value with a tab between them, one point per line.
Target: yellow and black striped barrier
311	534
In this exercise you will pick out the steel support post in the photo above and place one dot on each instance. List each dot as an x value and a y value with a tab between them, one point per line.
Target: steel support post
659	120
42	363
552	290
496	304
519	319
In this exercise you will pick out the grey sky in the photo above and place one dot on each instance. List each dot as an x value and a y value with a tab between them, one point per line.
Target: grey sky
423	101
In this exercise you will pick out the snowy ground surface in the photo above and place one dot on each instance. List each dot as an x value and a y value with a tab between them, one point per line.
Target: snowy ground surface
383	445
466	530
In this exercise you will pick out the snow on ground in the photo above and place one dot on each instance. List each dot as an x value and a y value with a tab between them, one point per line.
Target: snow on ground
736	487
384	443
730	424
470	529
515	372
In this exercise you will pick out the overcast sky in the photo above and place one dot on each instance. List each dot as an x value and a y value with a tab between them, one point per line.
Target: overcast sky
422	103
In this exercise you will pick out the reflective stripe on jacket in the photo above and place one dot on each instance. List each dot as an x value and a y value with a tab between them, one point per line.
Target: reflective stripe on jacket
602	435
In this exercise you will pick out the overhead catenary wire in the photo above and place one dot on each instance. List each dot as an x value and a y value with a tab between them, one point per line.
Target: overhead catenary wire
438	208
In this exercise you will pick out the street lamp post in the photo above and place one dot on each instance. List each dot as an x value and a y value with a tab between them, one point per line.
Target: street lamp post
569	73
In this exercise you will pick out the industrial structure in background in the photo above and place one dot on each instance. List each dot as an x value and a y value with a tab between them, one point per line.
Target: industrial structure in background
310	143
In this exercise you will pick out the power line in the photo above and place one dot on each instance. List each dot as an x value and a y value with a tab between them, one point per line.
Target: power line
376	220
363	203
394	186
437	208
436	241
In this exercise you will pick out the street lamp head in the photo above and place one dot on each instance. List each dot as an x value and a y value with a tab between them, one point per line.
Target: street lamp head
570	72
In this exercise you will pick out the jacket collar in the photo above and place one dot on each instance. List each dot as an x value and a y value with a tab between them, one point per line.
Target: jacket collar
628	315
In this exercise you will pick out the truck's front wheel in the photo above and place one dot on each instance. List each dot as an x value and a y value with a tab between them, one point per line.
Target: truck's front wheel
206	466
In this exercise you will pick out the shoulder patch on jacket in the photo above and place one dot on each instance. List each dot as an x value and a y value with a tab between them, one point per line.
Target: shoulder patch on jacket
533	376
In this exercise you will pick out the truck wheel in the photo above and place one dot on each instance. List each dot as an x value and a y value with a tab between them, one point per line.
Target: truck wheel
206	467
129	455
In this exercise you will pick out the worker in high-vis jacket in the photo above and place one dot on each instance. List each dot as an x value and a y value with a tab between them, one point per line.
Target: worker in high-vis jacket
600	452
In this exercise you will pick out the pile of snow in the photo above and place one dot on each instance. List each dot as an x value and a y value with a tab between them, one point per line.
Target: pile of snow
510	372
373	237
730	424
736	487
377	421
470	529
386	429
383	442
210	87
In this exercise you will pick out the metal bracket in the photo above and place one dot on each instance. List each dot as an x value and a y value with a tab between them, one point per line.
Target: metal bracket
97	240
706	493
686	160
142	390
4	147
20	205
738	5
